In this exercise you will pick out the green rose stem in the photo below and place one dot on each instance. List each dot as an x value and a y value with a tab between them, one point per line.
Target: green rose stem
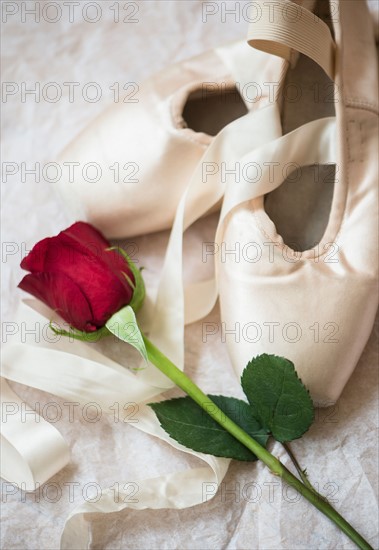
277	468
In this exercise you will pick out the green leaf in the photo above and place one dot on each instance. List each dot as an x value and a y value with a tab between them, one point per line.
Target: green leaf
186	422
80	334
123	325
278	398
139	286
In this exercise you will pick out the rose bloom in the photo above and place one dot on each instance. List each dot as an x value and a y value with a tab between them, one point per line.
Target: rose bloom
75	274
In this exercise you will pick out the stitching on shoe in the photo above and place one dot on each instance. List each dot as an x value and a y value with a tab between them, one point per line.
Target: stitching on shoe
354	103
363	141
279	243
359	148
350	157
343	132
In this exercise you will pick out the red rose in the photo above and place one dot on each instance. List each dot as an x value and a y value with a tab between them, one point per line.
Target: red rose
77	276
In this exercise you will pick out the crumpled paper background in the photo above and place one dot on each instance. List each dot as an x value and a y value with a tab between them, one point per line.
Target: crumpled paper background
252	509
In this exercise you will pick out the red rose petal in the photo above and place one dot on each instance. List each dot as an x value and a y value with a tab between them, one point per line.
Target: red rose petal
103	290
60	293
88	235
92	239
82	232
35	260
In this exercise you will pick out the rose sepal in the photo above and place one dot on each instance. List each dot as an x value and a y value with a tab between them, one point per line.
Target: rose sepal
80	334
138	286
123	324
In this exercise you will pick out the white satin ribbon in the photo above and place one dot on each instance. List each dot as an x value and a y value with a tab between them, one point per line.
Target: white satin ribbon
32	450
232	144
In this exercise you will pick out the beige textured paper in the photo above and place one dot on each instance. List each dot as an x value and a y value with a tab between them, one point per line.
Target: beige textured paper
340	451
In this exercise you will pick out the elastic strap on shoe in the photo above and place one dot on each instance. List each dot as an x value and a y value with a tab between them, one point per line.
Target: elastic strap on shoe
280	26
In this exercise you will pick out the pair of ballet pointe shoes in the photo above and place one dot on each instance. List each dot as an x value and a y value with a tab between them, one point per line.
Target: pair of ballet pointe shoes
284	129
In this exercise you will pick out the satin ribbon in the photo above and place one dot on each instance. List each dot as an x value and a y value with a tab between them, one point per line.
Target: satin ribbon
32	450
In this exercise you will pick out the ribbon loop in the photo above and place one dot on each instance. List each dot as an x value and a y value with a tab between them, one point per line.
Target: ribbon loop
32	449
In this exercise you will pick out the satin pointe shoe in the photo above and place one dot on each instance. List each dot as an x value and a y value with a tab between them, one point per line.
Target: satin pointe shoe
146	148
297	262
